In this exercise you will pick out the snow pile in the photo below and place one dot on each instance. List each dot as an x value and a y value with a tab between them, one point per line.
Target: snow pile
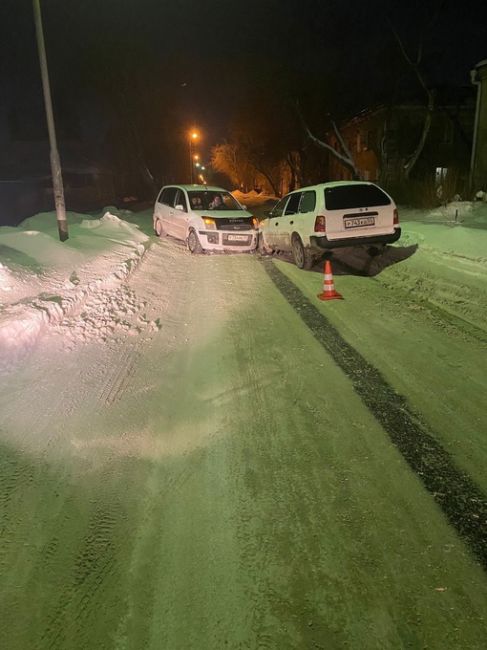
104	314
467	213
449	269
74	286
7	280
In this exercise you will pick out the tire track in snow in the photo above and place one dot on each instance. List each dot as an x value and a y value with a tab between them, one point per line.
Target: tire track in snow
461	500
93	569
118	380
153	267
18	477
121	375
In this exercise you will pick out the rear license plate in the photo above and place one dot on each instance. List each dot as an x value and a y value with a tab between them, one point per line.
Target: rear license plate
238	238
359	222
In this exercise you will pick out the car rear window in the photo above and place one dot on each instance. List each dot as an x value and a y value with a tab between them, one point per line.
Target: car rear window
344	197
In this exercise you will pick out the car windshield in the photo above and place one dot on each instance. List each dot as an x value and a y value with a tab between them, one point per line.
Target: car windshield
344	197
212	200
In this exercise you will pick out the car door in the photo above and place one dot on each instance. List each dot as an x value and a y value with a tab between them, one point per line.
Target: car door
272	233
158	208
166	211
304	221
180	215
287	221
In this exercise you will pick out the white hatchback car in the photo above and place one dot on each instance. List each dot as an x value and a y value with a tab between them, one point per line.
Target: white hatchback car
206	218
311	220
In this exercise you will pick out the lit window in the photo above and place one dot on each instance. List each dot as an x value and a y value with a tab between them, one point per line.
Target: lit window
440	175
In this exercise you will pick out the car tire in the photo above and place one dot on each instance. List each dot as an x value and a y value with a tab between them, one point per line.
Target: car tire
158	229
262	246
302	256
193	243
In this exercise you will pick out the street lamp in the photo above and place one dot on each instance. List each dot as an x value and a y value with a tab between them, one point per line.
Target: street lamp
193	137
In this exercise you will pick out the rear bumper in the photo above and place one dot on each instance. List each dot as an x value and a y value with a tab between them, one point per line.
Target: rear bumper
323	243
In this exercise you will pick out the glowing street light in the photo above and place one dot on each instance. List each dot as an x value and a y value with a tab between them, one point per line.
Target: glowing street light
193	137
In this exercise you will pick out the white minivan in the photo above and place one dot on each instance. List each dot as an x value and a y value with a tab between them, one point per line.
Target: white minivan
311	220
206	218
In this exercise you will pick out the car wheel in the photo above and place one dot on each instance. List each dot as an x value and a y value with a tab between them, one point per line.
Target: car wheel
194	245
262	246
158	228
302	256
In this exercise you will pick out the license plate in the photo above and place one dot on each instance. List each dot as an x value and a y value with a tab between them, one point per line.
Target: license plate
359	222
237	237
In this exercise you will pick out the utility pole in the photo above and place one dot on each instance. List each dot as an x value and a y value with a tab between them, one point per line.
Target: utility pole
57	180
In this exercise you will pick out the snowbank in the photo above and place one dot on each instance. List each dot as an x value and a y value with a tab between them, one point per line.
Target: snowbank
458	228
43	281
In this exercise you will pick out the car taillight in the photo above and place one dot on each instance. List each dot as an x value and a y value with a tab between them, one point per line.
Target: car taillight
320	224
396	217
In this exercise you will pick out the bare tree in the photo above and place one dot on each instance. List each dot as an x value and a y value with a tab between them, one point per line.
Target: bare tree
267	167
232	160
294	162
245	163
415	65
345	156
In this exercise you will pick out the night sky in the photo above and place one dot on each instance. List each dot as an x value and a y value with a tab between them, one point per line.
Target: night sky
166	65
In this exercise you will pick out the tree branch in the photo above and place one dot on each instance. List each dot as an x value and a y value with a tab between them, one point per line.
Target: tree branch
346	159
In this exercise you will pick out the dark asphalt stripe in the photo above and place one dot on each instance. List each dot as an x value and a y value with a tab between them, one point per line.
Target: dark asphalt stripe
462	501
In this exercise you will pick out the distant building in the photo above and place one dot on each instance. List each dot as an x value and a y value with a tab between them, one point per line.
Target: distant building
381	140
26	184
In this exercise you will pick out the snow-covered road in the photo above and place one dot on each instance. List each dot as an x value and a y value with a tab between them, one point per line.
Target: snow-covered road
242	466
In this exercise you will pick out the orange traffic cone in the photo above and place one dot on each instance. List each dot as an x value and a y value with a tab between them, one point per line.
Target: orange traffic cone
329	292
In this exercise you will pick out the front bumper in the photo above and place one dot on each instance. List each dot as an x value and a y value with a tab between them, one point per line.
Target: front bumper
323	243
222	240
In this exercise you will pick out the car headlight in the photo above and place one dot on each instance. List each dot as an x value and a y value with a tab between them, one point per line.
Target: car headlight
209	223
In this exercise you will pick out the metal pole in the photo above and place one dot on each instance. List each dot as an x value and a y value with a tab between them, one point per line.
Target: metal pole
475	81
190	160
57	180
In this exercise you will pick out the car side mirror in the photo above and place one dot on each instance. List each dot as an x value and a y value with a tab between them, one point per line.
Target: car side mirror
243	206
179	207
